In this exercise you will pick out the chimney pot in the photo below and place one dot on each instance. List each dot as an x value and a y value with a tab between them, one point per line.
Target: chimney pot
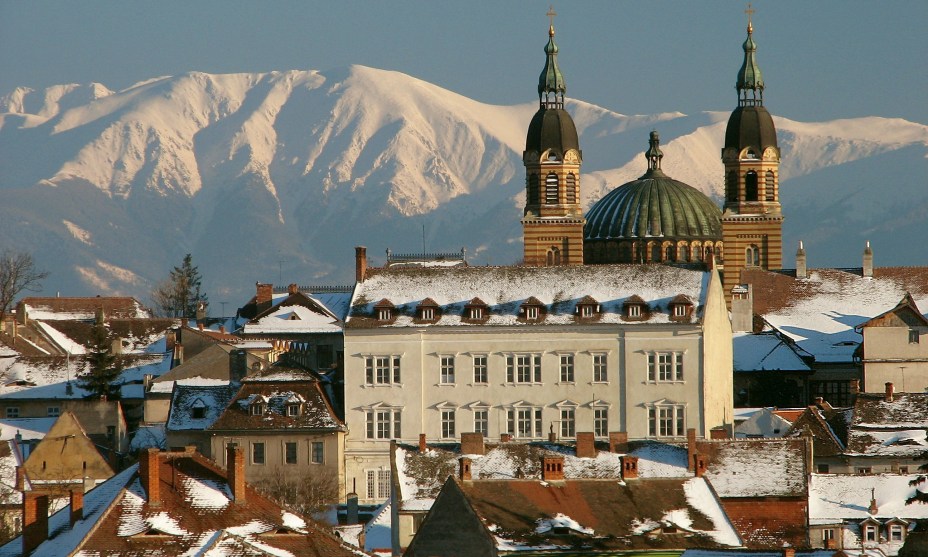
464	468
552	468
35	520
618	442
292	289
360	263
422	444
629	467
889	392
264	295
222	329
586	444
77	506
801	262
819	400
505	437
235	475
472	443
150	475
868	261
699	465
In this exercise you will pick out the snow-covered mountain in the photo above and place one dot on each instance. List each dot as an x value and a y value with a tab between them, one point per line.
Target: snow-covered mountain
276	176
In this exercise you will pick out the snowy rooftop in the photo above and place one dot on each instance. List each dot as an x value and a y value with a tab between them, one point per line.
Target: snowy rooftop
196	407
834	498
765	352
756	467
293	319
504	289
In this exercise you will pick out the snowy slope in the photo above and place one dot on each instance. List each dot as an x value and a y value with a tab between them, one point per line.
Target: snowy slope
276	176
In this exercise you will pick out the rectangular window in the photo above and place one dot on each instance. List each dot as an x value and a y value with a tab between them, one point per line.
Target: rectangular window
667	421
378	484
482	422
428	314
600	368
586	310
476	313
895	532
447	370
525	423
257	453
531	313
864	471
665	366
383	424
447	424
600	422
567	368
290	452
523	368
480	369
12	411
382	370
822	468
53	411
828	534
679	310
913	336
870	533
634	310
317	452
568	426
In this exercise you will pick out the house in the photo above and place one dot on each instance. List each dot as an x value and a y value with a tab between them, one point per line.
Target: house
172	503
852	512
525	352
766	422
770	370
281	417
10	496
828	428
895	348
556	516
887	431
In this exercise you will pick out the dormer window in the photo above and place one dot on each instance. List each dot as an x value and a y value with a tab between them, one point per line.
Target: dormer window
256	409
681	308
384	310
587	308
633	311
531	310
427	310
475	313
634	308
475	310
198	409
531	313
293	409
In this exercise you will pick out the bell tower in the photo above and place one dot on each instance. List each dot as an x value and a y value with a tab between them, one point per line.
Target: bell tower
752	220
552	223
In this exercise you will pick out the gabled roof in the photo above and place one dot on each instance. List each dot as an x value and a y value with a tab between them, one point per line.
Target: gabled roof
196	516
906	313
756	467
66	455
828	429
506	289
210	363
820	312
767	351
894	428
297	313
834	498
52	308
316	413
185	398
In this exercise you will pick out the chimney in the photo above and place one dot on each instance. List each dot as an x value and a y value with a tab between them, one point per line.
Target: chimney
222	329
150	475
742	308
170	337
178	355
200	325
464	468
699	464
718	433
472	443
422	444
264	296
235	475
20	478
868	261
238	364
801	262
35	520
352	508
552	468
360	263
873	509
505	437
586	445
819	401
629	467
77	506
618	442
690	447
292	289
789	552
889	392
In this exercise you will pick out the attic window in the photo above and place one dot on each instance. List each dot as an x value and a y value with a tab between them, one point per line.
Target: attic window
198	412
679	310
475	310
633	310
427	314
587	308
293	409
256	409
913	336
531	313
475	313
384	314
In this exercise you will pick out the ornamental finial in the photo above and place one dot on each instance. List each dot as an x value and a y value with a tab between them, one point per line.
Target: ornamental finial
750	11
551	13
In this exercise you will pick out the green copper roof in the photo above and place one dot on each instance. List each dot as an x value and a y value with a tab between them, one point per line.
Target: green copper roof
749	76
551	80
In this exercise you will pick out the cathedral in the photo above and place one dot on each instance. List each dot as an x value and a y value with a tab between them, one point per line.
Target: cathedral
654	219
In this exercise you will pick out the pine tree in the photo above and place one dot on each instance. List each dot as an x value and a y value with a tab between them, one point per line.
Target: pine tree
104	367
180	293
920	496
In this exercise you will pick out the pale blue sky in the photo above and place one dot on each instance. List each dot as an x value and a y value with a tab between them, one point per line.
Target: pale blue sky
822	59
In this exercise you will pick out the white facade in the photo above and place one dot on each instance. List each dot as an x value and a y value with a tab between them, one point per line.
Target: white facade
652	376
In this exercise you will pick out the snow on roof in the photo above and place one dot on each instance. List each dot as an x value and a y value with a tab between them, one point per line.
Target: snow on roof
764	423
821	311
29	428
148	436
835	498
505	288
377	531
62	340
293	319
756	467
765	352
337	302
168	386
699	495
892	443
196	407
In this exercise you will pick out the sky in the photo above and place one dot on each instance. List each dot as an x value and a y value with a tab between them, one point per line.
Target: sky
821	60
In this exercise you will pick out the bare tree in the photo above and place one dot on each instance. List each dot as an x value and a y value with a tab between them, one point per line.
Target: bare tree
17	273
307	494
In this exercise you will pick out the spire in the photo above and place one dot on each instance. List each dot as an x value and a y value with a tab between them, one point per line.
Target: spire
750	80
551	87
654	153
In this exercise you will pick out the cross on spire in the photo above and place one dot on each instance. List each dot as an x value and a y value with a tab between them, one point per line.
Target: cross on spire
750	11
551	13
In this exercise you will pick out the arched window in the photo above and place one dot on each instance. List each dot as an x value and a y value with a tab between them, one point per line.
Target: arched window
750	186
670	254
708	253
571	188
551	189
770	191
752	256
554	257
532	198
684	253
655	252
731	186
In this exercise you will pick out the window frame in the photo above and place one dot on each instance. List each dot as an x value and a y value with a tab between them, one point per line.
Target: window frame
600	367
482	418
383	423
523	368
378	484
600	422
317	452
446	369
291	452
666	366
448	423
568	422
913	336
481	369
382	370
52	411
567	367
666	420
524	422
258	457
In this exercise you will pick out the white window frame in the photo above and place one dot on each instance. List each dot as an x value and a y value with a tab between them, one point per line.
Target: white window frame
523	368
600	367
481	369
427	314
382	370
679	310
378	484
895	532
448	422
531	313
871	533
383	422
475	313
384	314
568	422
53	411
587	310
524	422
666	366
633	310
567	368
446	369
666	420
600	422
482	420
254	447
312	452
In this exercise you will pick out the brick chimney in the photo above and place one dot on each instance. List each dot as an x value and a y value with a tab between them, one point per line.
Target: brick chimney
150	475
690	447
505	437
20	478
472	443
464	468
718	433
360	263
178	354
868	261
586	445
889	392
629	467
552	468
789	552
235	474
423	446
618	442
35	520
77	505
873	509
264	296
699	464
801	272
